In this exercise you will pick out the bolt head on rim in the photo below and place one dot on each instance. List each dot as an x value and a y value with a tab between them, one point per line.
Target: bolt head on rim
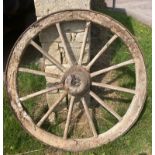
77	81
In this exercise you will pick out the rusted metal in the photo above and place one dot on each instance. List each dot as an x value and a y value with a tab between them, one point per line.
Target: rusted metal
77	81
125	122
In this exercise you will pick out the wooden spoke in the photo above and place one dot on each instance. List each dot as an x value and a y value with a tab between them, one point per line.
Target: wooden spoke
51	109
69	117
92	126
49	57
70	57
84	42
58	86
106	106
101	51
103	85
35	72
112	68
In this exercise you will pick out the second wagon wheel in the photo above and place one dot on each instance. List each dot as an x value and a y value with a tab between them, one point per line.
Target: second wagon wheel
81	80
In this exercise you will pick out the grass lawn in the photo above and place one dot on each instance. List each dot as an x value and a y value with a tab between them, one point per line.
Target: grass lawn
138	141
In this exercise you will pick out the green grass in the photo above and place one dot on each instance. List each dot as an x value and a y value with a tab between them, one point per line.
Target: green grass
137	141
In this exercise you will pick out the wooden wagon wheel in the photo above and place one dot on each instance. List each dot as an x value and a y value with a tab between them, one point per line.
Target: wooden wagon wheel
77	81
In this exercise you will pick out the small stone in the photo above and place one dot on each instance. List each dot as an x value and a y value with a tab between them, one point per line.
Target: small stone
52	118
41	63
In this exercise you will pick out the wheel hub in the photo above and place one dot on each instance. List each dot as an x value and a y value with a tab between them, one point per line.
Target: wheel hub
77	81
